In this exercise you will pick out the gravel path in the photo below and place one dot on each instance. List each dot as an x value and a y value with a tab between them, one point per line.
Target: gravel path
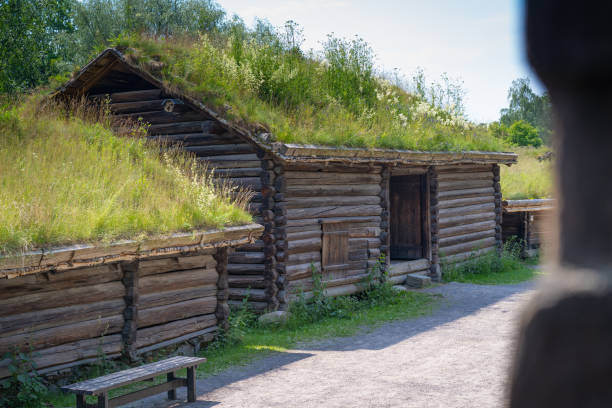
456	357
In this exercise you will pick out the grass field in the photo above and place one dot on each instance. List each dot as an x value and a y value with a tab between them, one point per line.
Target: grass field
67	178
529	178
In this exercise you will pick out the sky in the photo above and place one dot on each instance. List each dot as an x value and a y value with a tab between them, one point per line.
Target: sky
479	42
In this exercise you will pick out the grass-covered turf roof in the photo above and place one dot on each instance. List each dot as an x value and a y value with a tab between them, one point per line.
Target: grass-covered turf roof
334	99
66	178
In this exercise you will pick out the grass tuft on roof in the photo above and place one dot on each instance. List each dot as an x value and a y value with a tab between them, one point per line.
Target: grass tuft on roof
332	99
66	178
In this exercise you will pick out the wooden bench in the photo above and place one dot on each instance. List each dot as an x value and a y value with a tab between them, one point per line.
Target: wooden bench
102	385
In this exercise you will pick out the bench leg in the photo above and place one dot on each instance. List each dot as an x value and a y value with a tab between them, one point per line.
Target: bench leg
172	392
103	401
80	400
191	384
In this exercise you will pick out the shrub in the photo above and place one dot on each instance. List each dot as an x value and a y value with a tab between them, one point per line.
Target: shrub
24	388
521	133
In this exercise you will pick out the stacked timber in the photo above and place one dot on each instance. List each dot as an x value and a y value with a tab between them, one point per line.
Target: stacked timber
348	198
77	304
399	270
466	211
232	160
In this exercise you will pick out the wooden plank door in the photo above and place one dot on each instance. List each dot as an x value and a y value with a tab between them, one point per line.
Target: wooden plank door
406	221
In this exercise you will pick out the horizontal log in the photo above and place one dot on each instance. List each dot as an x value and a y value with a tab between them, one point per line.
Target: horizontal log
462	202
158	117
471	209
247	281
465	193
229	164
449	259
301	271
250	157
303	245
458	239
328	167
176	311
307	202
466	229
138	106
239	172
330	190
334	211
475	175
467	246
409	171
52	281
300	258
55	336
257	307
221	149
256	246
61	298
203	336
177	280
194	139
467	168
300	235
83	352
405	267
309	178
257	295
163	265
315	221
464	184
465	219
246	258
245	269
253	183
156	334
199	126
130	96
172	296
21	323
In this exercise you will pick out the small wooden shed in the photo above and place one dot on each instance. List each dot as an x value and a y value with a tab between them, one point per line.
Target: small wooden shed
528	221
73	305
340	210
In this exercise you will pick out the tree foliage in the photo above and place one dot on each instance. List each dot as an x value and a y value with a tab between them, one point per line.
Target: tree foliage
30	32
525	105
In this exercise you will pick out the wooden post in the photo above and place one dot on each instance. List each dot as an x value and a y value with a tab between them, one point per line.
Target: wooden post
103	400
269	214
434	227
281	244
80	401
385	238
171	393
191	384
223	311
498	208
130	313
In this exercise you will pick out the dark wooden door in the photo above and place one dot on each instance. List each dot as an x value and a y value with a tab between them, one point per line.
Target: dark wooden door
406	221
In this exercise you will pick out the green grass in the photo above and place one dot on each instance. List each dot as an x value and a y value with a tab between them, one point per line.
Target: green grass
490	269
67	178
247	341
529	178
333	98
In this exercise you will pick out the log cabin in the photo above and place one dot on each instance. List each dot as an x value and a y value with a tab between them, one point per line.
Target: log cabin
339	211
528	221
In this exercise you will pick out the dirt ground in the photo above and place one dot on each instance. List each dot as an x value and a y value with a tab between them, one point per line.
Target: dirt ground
456	357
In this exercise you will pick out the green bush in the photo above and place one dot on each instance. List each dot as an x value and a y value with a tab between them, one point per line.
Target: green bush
521	133
24	388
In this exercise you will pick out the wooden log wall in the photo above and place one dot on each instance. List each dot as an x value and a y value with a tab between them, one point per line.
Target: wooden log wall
252	268
68	318
531	227
467	214
310	196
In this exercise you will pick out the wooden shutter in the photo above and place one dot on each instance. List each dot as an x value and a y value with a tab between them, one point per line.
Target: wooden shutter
335	246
